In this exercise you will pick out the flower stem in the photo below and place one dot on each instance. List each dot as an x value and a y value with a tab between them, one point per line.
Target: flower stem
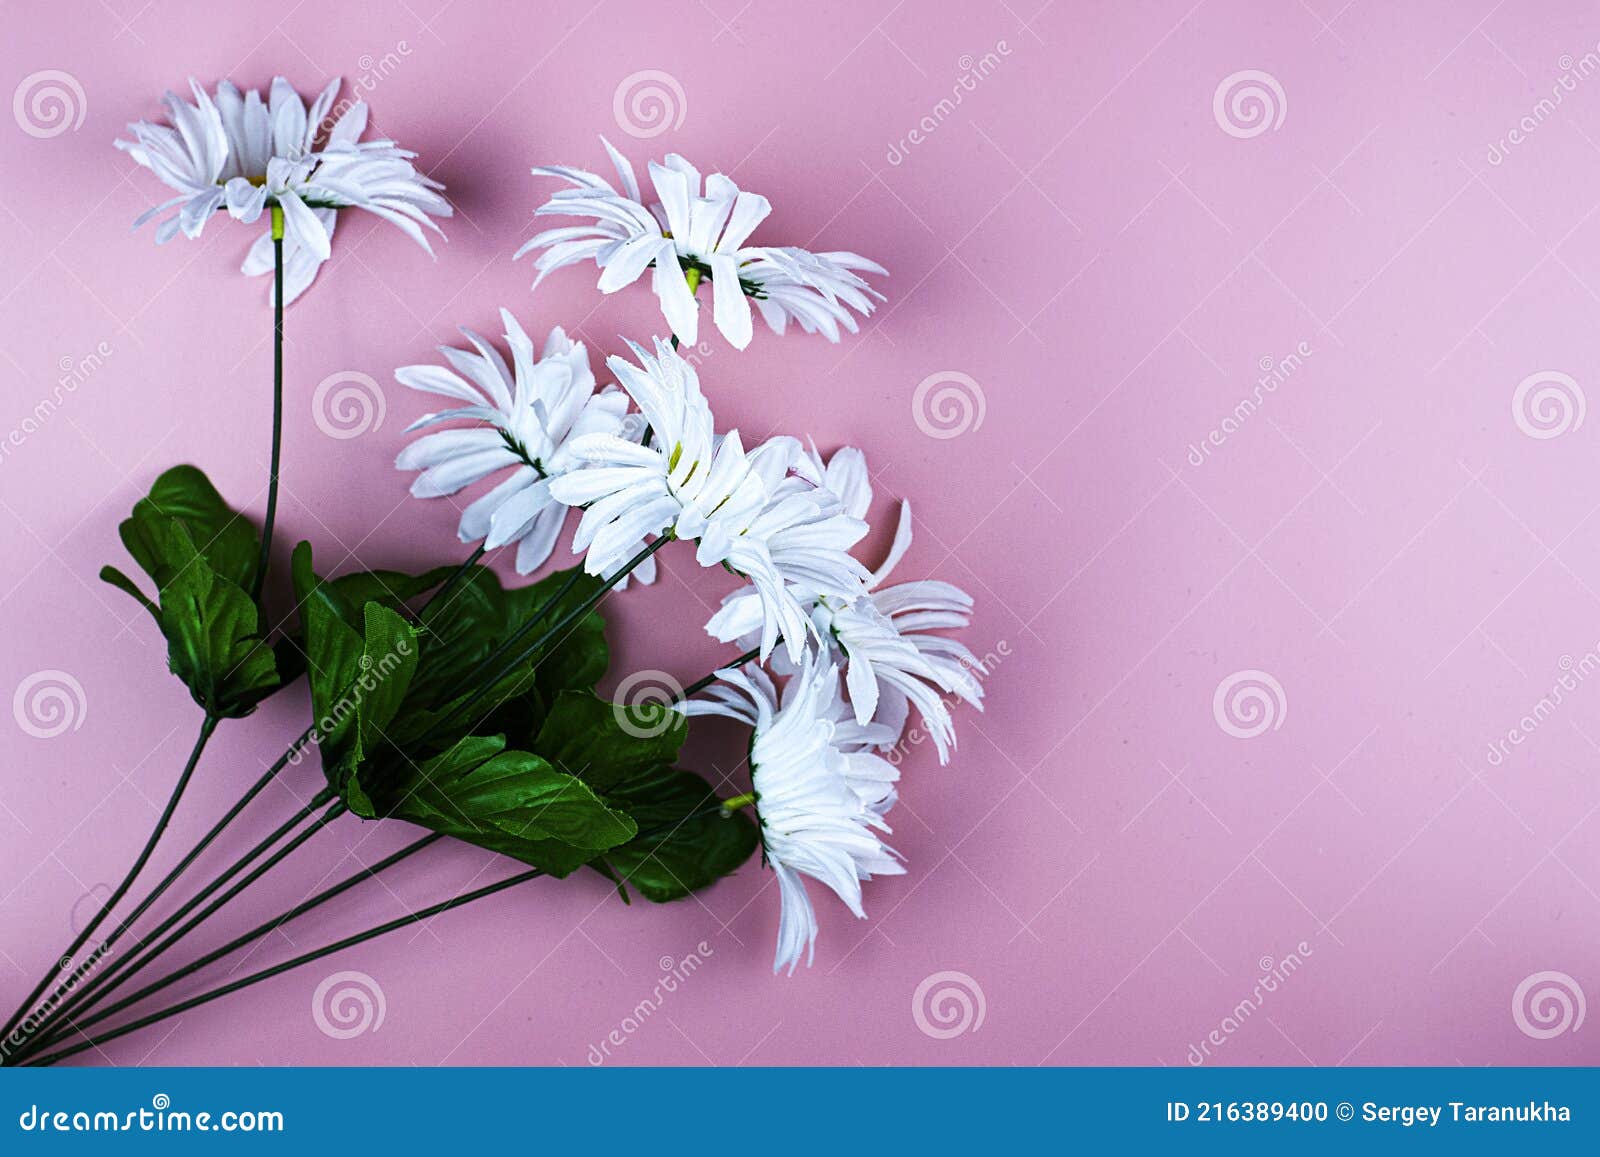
277	405
207	726
338	946
260	930
702	683
109	978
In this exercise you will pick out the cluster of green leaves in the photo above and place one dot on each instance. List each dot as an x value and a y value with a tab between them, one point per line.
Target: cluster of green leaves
536	766
202	556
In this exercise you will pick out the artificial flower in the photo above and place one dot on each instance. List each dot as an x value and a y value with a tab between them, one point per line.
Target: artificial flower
689	482
241	154
523	419
891	660
686	236
819	795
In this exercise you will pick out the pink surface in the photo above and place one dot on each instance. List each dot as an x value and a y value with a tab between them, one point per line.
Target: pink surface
1083	238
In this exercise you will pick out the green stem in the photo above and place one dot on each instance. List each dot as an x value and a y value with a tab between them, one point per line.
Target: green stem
277	406
133	961
701	684
207	726
328	950
238	942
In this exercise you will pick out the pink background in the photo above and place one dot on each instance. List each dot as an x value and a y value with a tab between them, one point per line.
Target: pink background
1109	266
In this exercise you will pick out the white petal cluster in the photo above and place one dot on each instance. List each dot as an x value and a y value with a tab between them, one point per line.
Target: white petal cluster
694	231
690	482
519	420
240	153
821	796
882	639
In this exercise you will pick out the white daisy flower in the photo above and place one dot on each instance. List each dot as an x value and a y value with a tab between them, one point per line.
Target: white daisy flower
524	418
694	484
241	154
819	795
891	660
687	237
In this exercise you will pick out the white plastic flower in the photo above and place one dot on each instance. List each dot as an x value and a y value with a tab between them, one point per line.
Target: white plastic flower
523	418
891	660
238	153
687	236
820	796
688	481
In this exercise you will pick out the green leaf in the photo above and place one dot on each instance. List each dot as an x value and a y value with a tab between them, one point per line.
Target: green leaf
223	536
392	588
605	743
508	801
202	556
682	855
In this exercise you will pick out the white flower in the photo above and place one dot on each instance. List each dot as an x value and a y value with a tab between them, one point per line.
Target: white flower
239	153
882	638
524	418
694	484
820	798
688	237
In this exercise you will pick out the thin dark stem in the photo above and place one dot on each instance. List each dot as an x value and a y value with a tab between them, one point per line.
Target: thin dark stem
104	976
277	405
456	576
701	684
303	958
207	726
327	950
238	942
